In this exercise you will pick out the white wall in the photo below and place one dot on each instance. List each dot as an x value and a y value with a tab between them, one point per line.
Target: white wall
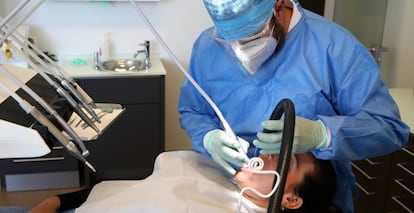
72	28
75	28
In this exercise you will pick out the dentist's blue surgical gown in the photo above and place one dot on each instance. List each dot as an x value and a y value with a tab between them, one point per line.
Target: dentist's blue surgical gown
327	74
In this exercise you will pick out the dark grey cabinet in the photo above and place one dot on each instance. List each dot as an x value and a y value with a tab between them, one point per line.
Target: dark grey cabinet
386	183
128	148
58	169
401	189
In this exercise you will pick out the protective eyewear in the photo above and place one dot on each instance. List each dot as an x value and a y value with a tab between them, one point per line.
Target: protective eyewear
261	33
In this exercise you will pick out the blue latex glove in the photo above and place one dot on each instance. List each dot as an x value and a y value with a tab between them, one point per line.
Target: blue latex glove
224	150
309	135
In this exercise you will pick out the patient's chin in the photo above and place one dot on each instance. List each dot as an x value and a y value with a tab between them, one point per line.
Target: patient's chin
243	178
260	182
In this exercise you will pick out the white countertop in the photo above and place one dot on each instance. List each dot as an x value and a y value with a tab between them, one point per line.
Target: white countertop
76	71
86	70
405	101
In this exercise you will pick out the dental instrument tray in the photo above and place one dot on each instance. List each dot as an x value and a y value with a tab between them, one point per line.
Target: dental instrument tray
107	112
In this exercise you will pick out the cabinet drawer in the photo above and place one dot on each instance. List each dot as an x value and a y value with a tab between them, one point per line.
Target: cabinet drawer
364	202
400	204
128	149
372	168
405	182
401	199
42	180
57	160
369	186
125	90
57	169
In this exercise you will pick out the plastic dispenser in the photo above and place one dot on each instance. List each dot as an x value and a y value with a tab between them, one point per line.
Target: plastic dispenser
104	47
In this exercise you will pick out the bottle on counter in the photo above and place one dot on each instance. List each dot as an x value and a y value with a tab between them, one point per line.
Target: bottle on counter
104	47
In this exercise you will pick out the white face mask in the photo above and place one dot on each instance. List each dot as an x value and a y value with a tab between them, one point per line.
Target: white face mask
254	53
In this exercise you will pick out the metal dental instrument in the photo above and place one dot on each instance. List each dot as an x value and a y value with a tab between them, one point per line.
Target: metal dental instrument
63	82
35	52
228	130
57	87
70	83
14	12
29	109
60	91
20	21
48	108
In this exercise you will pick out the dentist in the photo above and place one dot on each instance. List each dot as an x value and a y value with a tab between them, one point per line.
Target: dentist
260	52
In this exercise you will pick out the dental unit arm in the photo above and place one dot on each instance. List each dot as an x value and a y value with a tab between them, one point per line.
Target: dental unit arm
67	82
77	107
48	108
227	128
63	84
75	98
42	119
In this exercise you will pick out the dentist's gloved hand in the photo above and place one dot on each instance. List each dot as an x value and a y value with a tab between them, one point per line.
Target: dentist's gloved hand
309	135
224	150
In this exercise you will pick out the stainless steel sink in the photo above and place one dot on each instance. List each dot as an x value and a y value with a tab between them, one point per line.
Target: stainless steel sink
123	65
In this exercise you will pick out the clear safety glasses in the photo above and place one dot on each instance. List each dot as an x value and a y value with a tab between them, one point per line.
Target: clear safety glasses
265	30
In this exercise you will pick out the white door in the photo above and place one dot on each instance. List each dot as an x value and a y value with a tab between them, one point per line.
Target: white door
365	19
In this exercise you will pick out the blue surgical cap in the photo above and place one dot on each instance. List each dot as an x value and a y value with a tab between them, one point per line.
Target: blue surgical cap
238	19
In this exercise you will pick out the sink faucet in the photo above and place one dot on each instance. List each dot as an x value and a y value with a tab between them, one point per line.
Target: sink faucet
96	61
146	51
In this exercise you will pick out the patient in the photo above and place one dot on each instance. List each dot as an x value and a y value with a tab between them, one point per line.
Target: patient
310	184
186	181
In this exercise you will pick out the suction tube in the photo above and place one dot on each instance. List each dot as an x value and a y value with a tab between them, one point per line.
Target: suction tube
284	106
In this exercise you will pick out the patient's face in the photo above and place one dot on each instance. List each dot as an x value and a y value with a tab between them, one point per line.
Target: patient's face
300	164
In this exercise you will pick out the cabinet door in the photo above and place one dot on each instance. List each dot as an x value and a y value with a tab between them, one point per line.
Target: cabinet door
401	194
372	177
125	90
127	149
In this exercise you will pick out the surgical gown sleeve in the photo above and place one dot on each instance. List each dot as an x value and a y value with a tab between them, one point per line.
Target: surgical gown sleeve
197	116
367	122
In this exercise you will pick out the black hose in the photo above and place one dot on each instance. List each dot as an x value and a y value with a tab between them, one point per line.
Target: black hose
284	106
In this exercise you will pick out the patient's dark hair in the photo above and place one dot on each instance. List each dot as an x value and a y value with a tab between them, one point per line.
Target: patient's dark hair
317	189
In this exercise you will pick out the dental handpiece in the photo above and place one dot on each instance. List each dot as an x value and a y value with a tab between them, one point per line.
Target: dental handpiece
29	109
48	108
58	88
229	131
19	22
13	12
69	145
64	79
254	163
225	124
